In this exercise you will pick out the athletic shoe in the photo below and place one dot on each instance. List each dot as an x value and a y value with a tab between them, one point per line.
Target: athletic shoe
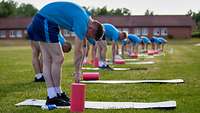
107	67
57	101
40	79
63	96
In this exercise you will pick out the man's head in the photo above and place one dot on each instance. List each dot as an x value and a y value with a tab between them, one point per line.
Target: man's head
66	47
95	30
123	35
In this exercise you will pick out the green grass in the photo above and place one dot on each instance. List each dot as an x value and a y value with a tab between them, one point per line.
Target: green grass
16	80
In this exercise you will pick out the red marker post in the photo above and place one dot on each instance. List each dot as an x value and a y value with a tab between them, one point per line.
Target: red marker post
77	97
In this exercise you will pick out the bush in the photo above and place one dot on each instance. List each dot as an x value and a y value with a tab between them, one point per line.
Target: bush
196	34
170	36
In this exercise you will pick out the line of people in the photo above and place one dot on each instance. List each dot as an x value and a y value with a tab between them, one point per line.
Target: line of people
47	43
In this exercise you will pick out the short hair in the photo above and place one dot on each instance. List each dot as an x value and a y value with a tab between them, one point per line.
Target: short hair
125	34
66	47
99	30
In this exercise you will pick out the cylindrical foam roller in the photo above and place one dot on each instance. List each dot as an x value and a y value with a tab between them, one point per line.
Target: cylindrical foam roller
91	75
119	61
150	52
156	52
134	55
77	97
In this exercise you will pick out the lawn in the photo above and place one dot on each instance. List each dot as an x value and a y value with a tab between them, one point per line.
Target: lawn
182	61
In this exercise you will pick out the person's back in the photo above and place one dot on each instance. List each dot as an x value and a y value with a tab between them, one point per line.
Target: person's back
134	38
111	32
68	16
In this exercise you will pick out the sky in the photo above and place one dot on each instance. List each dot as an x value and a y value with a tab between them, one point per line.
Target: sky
137	7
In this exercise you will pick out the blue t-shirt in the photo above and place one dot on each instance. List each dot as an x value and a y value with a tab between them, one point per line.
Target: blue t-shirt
67	15
111	32
162	40
134	38
156	40
145	40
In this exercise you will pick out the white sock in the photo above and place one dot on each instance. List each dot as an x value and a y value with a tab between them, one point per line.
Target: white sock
51	92
58	90
38	76
100	63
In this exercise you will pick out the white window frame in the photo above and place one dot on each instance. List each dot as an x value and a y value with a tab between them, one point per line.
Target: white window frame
73	34
156	31
12	33
125	29
145	31
66	33
19	34
164	31
137	31
2	34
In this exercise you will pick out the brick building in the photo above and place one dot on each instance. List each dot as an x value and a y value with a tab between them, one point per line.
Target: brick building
179	26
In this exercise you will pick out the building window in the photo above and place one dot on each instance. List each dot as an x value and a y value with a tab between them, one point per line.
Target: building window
66	33
25	31
137	31
73	34
15	34
12	34
120	29
145	31
19	34
164	31
2	34
156	31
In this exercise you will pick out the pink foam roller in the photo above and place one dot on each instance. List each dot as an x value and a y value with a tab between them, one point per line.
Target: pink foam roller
156	52
150	52
119	61
91	76
134	55
77	97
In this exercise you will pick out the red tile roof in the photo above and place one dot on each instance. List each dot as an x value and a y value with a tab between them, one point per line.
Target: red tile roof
119	21
148	21
14	22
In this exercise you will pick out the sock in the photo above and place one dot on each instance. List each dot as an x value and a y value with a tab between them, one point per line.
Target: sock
58	90
38	76
51	92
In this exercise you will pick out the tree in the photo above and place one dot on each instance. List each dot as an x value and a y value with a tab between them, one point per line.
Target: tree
148	13
113	12
189	13
26	10
7	8
11	8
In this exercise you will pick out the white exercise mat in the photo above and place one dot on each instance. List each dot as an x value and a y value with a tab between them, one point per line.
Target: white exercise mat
197	44
144	62
127	60
132	81
107	105
96	69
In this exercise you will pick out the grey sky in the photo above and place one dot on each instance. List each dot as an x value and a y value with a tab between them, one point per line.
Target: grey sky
137	7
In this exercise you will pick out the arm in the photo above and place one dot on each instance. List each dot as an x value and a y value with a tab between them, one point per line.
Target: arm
78	59
113	51
123	47
85	48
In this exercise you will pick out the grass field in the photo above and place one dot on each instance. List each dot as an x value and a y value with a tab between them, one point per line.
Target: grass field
16	80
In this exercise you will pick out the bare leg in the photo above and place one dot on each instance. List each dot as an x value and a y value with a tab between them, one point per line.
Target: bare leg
46	64
57	55
36	54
